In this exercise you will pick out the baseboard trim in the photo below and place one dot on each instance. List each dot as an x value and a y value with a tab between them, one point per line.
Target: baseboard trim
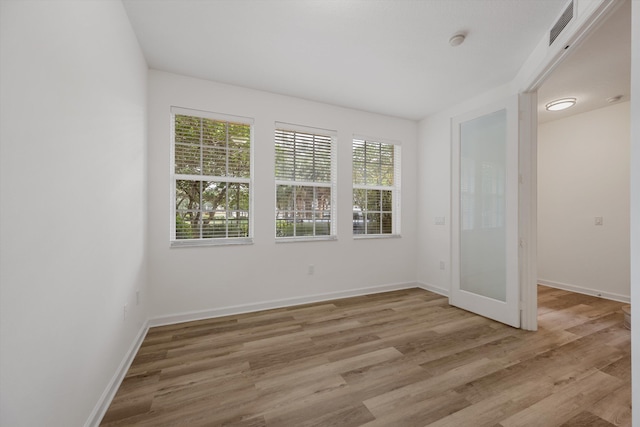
433	288
268	305
586	291
107	396
109	393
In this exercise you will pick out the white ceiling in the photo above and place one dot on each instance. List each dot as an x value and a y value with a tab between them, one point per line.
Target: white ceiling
598	69
384	56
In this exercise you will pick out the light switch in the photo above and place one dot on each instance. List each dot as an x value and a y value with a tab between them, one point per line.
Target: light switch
598	220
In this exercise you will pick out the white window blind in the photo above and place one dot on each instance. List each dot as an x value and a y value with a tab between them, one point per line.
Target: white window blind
376	187
305	182
211	177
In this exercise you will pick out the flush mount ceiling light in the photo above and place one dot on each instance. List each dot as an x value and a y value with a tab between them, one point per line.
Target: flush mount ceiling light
560	104
457	39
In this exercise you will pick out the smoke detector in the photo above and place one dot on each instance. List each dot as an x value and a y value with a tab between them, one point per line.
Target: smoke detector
457	39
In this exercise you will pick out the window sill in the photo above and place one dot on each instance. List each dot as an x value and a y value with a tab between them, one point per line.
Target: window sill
376	236
210	242
305	239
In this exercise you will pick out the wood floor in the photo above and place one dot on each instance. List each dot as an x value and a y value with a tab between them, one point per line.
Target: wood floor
403	358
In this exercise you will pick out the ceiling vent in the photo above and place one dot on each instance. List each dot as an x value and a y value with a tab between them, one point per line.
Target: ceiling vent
562	22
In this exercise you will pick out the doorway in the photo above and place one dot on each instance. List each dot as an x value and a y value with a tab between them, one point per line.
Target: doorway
583	168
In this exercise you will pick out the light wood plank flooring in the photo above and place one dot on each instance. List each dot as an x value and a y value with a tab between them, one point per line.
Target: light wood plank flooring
403	358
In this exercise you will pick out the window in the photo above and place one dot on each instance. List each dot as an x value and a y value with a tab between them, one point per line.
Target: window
376	187
305	182
211	178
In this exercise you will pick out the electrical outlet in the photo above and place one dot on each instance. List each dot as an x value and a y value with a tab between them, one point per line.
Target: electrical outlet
124	312
598	220
311	269
442	265
440	220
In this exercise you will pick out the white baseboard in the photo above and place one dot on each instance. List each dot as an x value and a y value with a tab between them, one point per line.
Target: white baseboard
586	291
105	400
110	392
435	289
268	305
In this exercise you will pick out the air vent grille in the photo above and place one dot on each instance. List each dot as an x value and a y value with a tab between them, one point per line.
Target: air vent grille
564	19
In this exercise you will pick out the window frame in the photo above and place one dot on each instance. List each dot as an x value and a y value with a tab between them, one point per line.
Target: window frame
332	184
396	188
174	177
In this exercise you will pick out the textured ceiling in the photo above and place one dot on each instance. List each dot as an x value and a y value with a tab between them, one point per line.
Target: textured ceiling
384	56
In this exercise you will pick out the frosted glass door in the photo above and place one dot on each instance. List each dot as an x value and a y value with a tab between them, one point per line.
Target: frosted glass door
483	266
485	212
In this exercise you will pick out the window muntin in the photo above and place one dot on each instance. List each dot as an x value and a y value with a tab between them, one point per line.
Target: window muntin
305	182
376	195
211	177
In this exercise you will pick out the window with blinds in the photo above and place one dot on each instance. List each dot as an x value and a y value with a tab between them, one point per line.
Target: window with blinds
376	187
305	182
211	178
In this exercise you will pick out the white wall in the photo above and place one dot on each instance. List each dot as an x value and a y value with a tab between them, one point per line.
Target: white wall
222	279
635	206
434	177
583	173
73	184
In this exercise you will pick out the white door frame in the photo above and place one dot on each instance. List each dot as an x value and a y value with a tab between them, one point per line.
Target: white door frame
589	16
528	210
